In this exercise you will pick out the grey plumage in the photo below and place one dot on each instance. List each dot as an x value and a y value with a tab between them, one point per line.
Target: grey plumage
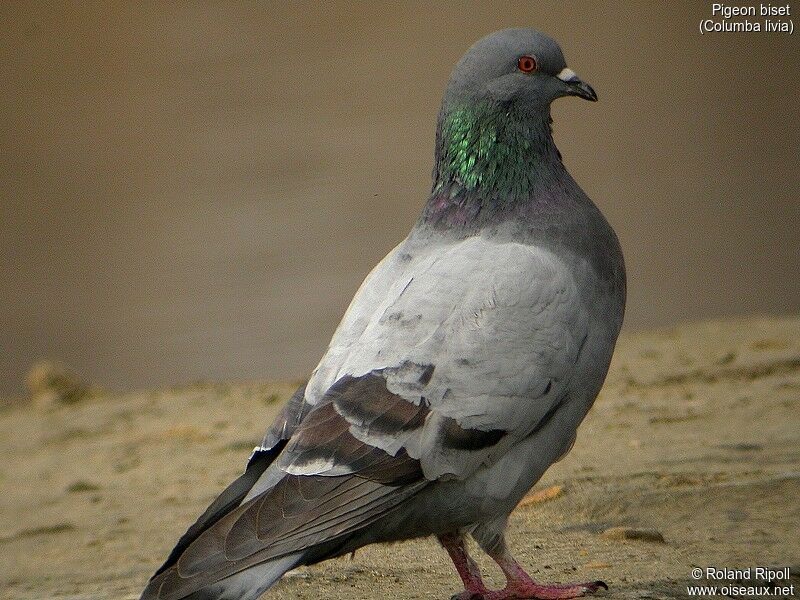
463	366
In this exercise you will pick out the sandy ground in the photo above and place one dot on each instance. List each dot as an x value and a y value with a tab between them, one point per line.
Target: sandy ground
695	436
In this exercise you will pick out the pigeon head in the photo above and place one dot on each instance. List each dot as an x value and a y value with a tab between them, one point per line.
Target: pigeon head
494	143
521	67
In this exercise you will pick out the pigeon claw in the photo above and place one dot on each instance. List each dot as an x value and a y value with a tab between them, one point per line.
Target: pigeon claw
534	591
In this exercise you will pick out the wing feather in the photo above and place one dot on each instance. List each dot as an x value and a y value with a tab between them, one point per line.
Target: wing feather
483	336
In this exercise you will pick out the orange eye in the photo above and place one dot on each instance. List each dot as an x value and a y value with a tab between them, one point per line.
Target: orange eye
526	64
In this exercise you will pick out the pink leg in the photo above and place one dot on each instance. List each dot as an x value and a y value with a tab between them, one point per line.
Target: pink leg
520	585
467	569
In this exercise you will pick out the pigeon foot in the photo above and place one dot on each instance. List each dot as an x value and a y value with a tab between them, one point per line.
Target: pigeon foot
531	590
519	585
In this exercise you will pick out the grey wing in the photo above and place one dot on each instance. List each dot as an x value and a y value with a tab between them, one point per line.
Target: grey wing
486	335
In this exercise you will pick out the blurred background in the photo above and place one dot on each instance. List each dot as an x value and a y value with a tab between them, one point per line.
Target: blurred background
195	191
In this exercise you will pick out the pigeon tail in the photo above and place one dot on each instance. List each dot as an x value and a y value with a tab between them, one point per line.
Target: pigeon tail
245	585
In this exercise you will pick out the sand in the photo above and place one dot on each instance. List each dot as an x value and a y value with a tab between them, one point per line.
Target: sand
694	438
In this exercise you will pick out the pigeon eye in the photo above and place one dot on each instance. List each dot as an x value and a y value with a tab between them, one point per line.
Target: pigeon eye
526	64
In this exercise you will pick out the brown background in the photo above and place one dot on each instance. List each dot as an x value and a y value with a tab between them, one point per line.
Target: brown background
196	191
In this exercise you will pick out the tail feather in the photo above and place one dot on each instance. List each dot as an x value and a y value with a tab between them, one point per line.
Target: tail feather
227	501
244	585
236	493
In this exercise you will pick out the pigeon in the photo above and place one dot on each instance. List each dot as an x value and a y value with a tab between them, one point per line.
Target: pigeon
460	371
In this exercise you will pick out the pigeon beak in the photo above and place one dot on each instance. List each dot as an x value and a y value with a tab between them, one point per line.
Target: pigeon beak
576	87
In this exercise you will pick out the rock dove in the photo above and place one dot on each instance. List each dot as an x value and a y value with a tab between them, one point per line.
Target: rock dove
459	373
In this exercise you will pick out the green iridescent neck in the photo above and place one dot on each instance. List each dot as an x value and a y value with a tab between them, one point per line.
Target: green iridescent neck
485	148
